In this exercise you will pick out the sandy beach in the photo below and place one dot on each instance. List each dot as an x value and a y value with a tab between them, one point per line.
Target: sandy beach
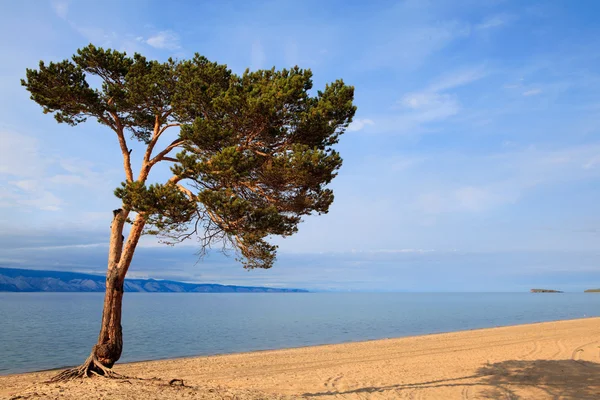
554	360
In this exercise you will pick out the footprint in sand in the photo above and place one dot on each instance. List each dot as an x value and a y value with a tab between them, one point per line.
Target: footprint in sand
537	348
581	351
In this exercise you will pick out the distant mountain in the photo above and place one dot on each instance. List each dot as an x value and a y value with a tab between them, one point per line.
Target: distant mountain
592	291
544	291
27	280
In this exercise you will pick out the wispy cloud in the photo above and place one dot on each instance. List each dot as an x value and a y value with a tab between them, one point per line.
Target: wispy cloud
19	155
429	106
61	8
28	194
436	102
165	40
532	92
495	21
411	46
63	247
507	178
34	178
359	124
458	78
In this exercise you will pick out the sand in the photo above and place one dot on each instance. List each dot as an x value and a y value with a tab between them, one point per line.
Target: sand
554	360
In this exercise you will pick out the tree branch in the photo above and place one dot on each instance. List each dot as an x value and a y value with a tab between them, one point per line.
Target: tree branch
134	236
164	128
175	143
147	163
186	191
158	131
258	190
124	149
155	136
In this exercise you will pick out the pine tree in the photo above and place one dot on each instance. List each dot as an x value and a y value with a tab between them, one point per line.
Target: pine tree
252	155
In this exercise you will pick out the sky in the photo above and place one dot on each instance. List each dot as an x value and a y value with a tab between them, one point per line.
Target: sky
473	162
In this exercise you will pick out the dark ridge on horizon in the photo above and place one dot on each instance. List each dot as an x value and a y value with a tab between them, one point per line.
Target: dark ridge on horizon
545	291
28	280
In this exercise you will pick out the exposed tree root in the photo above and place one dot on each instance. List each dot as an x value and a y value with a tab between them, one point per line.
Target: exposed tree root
91	366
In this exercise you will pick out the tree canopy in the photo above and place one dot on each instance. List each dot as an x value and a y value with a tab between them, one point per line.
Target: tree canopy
253	151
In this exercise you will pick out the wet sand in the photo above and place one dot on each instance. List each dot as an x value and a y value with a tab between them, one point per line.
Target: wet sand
553	360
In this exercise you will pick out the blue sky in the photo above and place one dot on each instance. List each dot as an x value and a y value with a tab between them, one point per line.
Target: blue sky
473	163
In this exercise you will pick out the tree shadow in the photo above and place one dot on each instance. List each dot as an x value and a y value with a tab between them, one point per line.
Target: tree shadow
556	379
570	379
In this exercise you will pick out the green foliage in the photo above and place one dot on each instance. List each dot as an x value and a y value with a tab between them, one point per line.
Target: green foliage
256	150
165	206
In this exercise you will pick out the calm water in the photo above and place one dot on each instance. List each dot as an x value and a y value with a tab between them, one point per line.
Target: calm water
49	330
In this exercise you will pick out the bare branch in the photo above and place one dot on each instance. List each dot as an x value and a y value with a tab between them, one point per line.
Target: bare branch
174	179
118	128
129	247
186	191
147	163
153	140
164	128
175	143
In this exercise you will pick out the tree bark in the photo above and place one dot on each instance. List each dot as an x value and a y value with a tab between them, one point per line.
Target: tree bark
109	347
110	340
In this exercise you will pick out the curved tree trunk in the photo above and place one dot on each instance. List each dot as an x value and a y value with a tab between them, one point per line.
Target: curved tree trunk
110	341
108	349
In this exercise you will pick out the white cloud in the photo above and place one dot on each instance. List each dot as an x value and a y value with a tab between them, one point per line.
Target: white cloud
426	100
487	182
19	155
457	79
97	35
20	158
63	247
386	251
28	185
427	107
29	175
61	8
413	44
359	124
495	21
532	92
416	111
432	104
481	198
28	194
167	40
80	173
63	179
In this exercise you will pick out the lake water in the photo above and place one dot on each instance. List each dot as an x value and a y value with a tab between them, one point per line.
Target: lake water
49	330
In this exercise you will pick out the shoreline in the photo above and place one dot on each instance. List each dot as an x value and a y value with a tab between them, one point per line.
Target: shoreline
477	360
249	352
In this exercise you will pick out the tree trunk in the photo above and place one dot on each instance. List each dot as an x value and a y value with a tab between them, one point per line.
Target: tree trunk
110	340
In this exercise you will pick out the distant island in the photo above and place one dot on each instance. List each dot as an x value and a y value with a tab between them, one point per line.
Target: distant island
592	291
27	280
545	291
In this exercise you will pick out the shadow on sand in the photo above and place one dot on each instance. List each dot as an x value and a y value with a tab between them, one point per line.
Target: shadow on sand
552	379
